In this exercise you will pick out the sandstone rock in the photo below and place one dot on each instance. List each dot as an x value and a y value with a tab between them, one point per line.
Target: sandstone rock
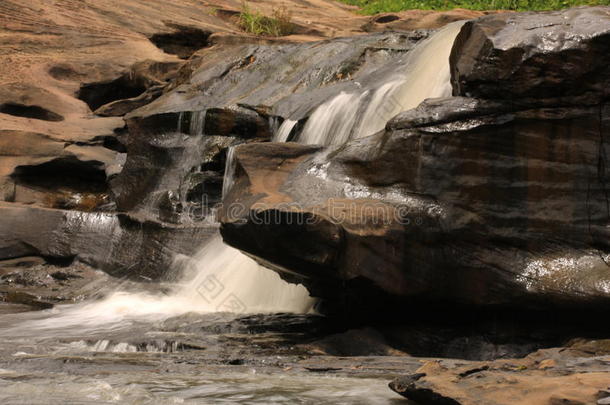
575	379
416	19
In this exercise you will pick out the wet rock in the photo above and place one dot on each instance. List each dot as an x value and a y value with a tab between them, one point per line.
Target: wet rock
361	342
175	162
120	244
286	80
529	236
15	297
476	202
556	55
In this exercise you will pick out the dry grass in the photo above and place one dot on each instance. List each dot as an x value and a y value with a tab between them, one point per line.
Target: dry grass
276	25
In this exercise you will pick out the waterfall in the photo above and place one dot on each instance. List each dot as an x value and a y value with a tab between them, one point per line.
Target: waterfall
220	270
227	181
218	278
284	131
424	74
221	278
332	122
197	124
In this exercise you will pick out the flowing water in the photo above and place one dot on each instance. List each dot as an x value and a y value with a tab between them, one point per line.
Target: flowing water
120	349
424	74
284	131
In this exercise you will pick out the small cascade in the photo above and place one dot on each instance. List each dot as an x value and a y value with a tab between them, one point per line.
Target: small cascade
283	132
228	179
197	124
223	279
332	122
218	279
424	74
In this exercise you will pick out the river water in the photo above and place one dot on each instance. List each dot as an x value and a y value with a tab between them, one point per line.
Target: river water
188	359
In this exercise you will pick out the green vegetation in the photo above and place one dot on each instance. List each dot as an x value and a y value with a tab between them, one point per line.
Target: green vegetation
390	6
276	25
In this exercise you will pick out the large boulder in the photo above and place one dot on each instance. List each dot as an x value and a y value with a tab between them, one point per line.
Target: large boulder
482	202
517	56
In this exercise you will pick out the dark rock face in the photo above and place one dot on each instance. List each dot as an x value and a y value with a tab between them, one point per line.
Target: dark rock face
558	55
495	201
116	243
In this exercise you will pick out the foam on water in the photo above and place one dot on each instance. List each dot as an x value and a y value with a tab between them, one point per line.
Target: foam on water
218	279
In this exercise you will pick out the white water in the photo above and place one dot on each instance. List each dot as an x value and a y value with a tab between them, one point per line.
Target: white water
333	122
218	279
425	74
227	181
282	134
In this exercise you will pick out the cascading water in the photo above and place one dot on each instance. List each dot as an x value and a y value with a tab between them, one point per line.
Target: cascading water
227	181
91	350
220	278
284	131
424	74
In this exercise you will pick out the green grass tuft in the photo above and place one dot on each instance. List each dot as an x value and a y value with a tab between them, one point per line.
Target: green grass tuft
391	6
276	25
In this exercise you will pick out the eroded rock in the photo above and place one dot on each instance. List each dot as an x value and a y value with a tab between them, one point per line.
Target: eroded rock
549	376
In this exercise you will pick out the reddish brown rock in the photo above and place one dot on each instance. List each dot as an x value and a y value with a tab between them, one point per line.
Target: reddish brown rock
574	378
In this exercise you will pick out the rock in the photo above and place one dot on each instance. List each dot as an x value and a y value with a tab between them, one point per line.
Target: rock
357	342
516	56
478	202
282	80
117	243
67	147
15	297
177	145
573	380
417	19
410	388
174	169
